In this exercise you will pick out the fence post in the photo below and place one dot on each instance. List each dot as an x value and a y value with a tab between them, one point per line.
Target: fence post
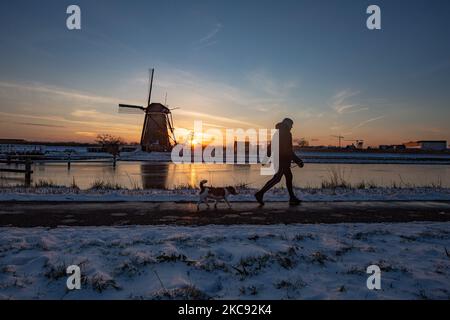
27	172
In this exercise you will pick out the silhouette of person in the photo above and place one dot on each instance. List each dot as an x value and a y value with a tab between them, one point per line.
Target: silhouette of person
286	156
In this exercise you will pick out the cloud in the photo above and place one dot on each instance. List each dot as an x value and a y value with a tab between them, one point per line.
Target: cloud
309	113
208	44
262	81
86	133
209	39
68	95
358	110
58	91
212	125
39	125
340	104
105	126
361	124
342	95
203	93
199	115
86	113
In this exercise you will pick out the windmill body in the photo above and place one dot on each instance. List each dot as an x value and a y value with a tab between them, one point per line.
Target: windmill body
157	131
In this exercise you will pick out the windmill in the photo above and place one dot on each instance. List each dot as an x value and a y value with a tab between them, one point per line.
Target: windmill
157	131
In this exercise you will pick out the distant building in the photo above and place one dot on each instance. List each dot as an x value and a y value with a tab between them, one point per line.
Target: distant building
431	145
100	149
395	147
21	149
97	149
12	141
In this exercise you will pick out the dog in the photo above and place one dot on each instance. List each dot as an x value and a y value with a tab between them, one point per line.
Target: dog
216	194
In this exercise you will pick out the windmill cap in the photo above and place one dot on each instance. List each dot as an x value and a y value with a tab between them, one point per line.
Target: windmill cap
158	107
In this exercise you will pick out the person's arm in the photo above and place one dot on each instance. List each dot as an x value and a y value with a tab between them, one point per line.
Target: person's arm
295	158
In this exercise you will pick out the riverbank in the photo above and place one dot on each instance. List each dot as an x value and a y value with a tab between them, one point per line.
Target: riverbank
104	194
60	154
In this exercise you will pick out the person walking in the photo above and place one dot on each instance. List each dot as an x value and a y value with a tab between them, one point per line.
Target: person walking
286	156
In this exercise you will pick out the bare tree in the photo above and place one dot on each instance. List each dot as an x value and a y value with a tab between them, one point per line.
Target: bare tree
302	142
111	144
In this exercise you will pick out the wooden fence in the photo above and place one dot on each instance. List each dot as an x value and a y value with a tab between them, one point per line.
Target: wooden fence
26	169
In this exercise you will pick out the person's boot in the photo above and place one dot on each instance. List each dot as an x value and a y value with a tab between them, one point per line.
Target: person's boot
294	201
259	197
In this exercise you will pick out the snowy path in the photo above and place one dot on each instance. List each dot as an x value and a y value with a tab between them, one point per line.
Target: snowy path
53	214
228	262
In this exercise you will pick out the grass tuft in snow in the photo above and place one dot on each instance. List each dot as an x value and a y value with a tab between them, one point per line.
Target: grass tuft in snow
336	179
320	258
47	184
106	185
101	281
188	292
74	185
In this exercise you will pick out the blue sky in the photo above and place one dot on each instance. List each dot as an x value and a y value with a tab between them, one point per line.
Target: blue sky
230	63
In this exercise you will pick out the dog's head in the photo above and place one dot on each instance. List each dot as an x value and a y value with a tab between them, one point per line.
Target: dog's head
231	190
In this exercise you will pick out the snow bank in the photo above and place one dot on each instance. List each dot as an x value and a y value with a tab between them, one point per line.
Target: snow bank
228	262
159	195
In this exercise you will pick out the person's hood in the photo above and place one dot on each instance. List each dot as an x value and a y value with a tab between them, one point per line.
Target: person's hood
281	126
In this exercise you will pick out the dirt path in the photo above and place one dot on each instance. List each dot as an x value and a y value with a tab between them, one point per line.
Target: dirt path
53	214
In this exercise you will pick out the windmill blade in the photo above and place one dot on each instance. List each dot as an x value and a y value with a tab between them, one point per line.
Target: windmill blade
131	106
130	109
151	87
172	129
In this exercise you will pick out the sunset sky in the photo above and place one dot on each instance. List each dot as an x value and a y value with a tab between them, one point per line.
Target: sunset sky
232	64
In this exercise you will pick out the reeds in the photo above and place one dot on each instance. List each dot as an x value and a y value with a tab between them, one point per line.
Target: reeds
337	179
106	185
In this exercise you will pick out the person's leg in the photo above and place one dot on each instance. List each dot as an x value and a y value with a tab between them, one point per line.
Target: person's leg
275	179
293	200
288	176
272	182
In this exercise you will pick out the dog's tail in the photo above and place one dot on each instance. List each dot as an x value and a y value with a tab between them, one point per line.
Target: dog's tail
202	185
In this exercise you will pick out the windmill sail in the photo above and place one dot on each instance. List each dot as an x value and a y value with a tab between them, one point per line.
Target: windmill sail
130	109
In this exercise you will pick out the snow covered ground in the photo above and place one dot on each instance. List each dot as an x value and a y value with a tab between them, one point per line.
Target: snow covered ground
245	195
228	262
